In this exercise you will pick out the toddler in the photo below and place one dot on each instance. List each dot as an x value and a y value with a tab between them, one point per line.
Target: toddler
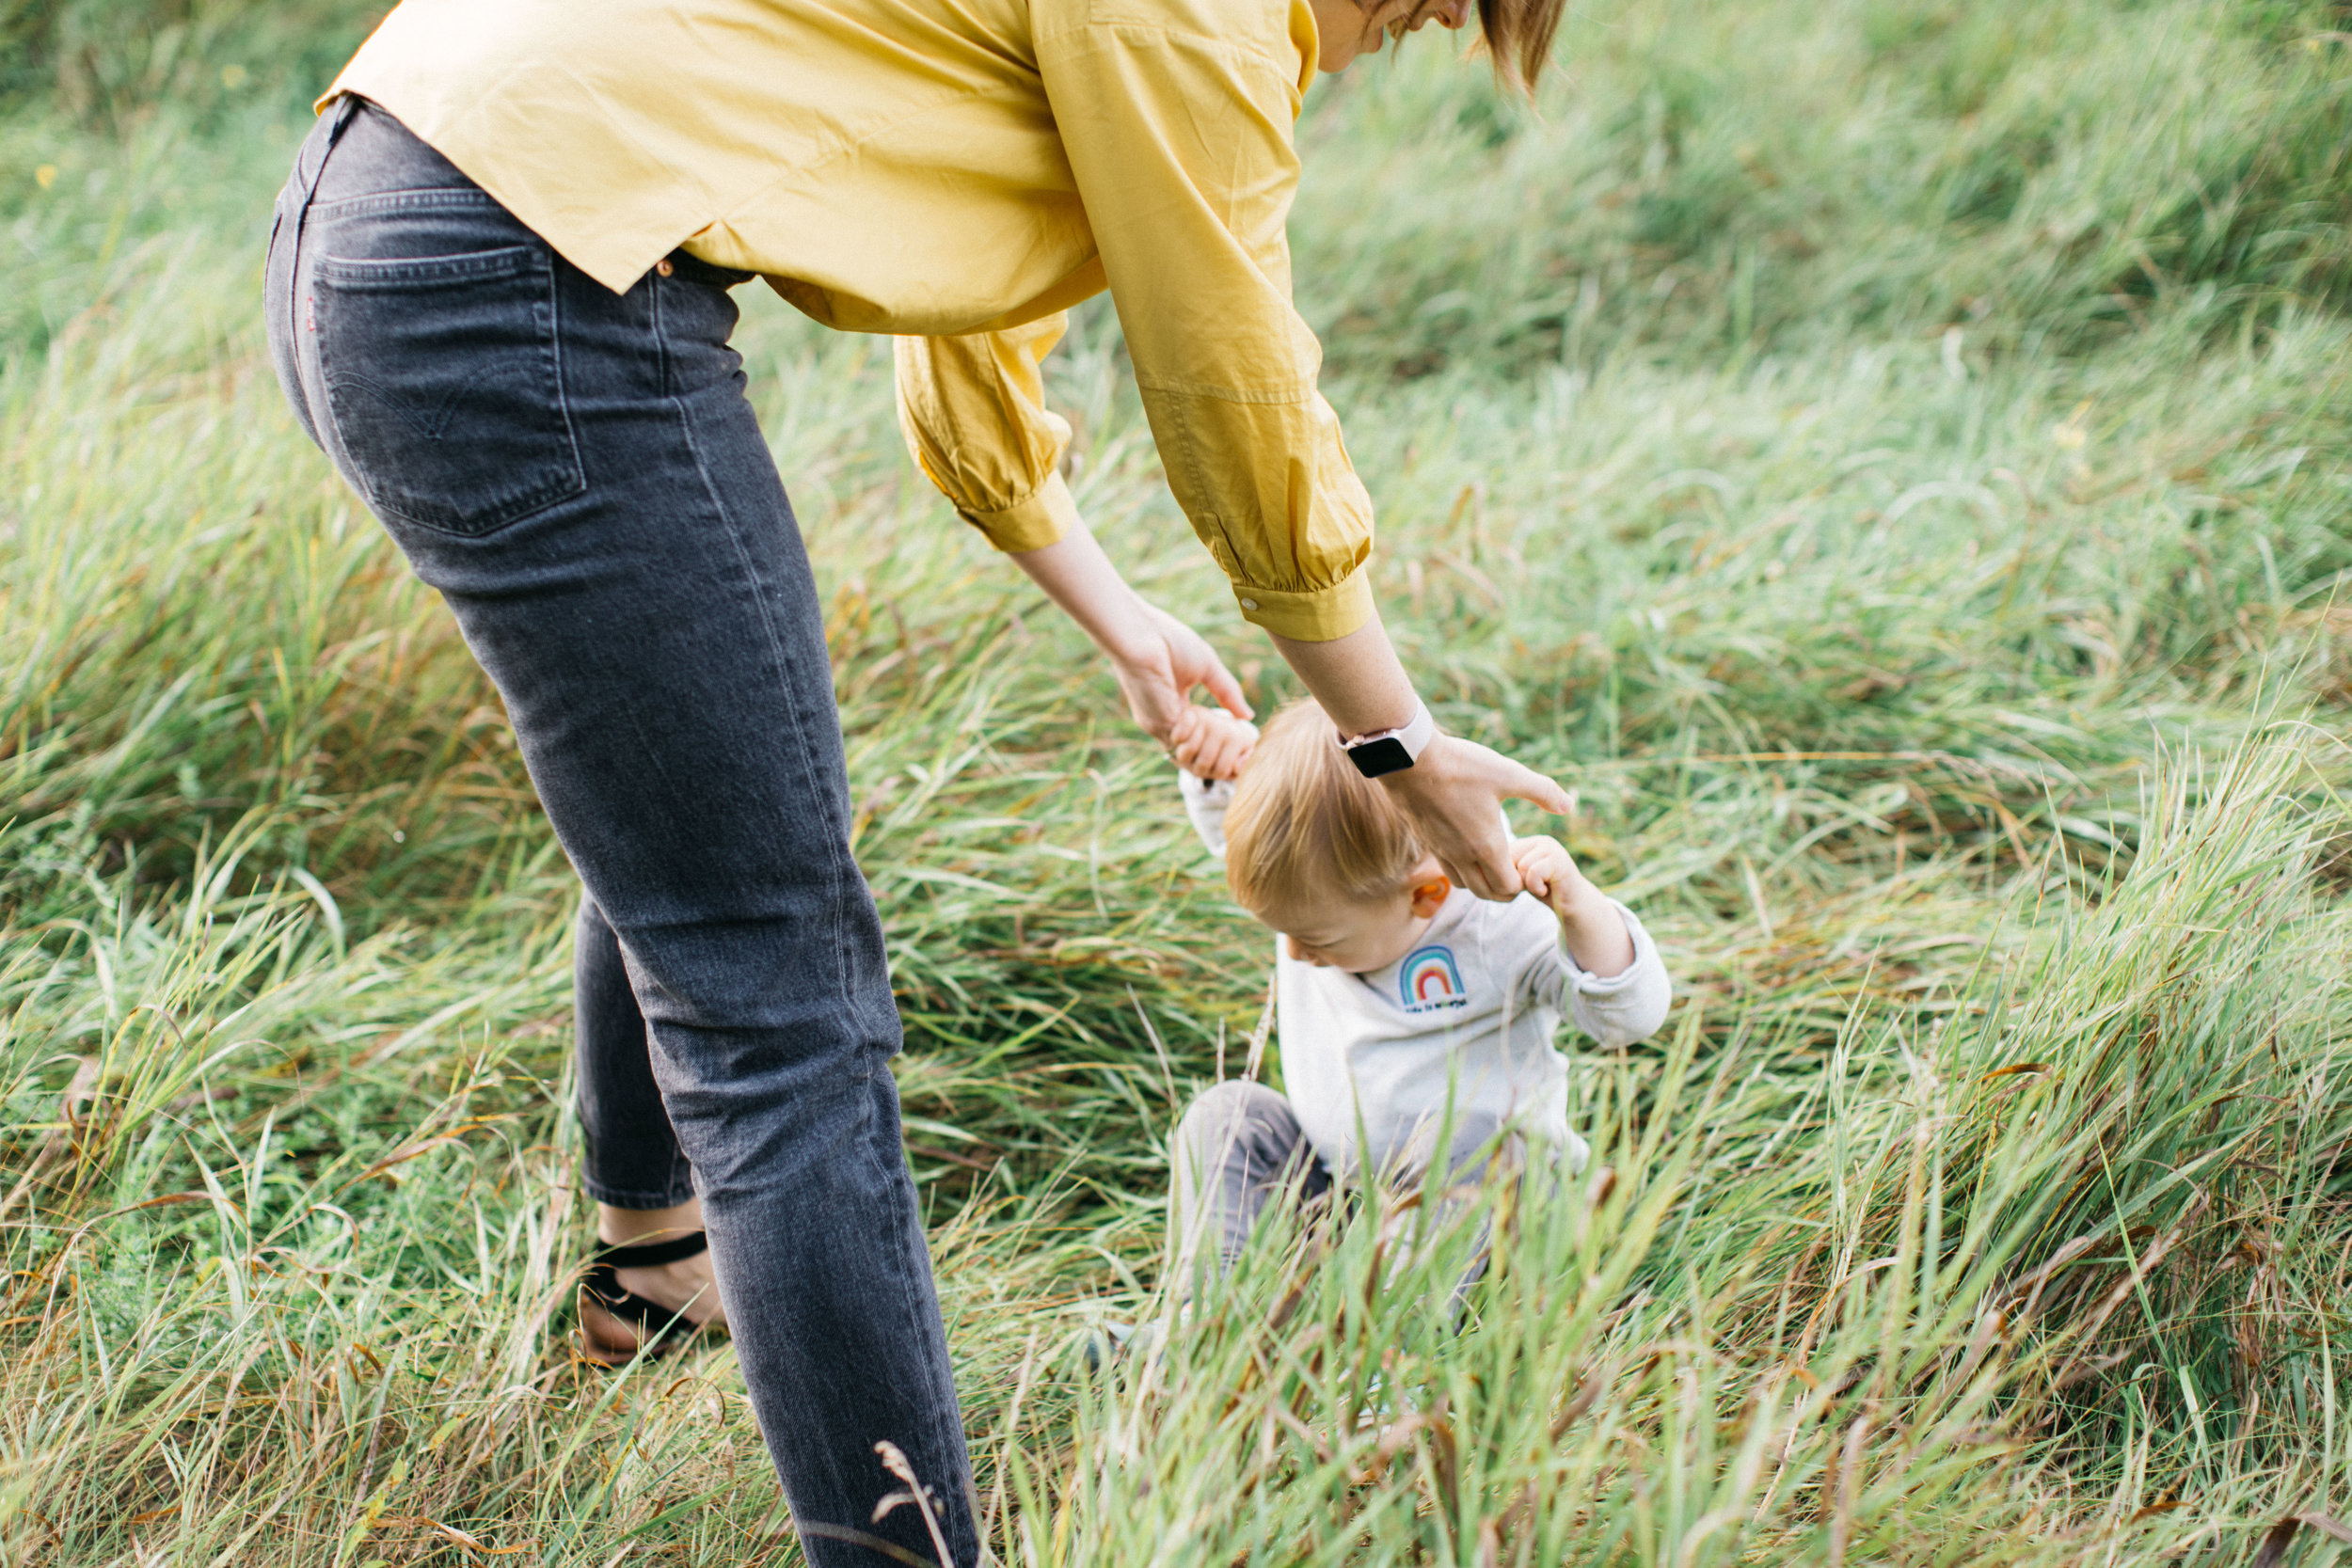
1409	1009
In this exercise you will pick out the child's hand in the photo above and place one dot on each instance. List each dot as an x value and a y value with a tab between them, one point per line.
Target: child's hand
1211	743
1549	873
1589	924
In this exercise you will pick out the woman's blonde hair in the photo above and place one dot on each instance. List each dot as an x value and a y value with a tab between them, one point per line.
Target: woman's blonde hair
1519	35
1303	821
1516	34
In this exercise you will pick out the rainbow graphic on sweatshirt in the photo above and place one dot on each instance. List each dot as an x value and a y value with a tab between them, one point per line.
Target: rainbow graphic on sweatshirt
1428	979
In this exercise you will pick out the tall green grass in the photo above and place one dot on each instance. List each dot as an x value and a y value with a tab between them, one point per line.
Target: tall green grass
2003	1284
1890	459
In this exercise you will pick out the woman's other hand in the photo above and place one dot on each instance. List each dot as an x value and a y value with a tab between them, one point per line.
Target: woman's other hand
1159	661
1157	673
1454	791
1452	794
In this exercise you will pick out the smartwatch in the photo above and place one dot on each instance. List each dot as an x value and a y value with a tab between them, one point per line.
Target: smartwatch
1391	750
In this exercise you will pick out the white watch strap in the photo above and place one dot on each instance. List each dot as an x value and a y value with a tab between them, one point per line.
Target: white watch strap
1415	732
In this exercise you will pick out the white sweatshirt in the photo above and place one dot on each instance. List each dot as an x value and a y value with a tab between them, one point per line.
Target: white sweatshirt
1469	1013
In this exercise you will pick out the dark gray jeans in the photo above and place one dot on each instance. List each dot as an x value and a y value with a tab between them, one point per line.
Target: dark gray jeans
580	476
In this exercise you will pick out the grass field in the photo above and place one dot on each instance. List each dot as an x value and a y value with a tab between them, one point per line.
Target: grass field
1893	458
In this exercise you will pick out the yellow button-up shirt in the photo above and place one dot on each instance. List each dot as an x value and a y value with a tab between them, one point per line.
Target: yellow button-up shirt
957	172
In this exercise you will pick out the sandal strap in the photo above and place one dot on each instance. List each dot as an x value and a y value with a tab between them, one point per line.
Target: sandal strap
605	1286
645	1254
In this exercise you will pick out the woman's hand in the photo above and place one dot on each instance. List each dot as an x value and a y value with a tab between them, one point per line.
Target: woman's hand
1157	669
1158	659
1452	794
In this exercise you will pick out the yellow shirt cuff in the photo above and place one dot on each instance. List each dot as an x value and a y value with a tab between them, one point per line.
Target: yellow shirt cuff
1049	512
1317	617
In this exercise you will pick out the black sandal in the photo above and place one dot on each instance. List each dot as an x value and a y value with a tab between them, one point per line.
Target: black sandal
659	1327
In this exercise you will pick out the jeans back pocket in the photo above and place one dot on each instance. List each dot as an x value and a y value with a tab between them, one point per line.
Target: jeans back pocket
443	383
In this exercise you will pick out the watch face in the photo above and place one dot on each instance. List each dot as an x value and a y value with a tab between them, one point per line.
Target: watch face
1385	755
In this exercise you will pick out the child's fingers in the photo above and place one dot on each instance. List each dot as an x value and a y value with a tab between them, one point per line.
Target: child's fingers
1544	865
1212	744
1238	740
1195	740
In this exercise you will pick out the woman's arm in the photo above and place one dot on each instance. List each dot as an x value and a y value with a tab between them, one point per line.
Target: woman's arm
1179	140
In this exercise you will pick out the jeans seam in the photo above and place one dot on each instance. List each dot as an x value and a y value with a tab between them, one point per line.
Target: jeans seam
293	302
342	112
404	272
836	847
319	411
555	352
661	355
420	199
912	1324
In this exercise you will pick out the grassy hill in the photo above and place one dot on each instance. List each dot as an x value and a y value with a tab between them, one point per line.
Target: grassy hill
1892	458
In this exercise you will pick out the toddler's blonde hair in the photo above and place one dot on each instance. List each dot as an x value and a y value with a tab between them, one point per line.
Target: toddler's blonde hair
1303	821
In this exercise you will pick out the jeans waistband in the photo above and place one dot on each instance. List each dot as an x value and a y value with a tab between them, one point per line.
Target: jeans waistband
696	270
374	154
